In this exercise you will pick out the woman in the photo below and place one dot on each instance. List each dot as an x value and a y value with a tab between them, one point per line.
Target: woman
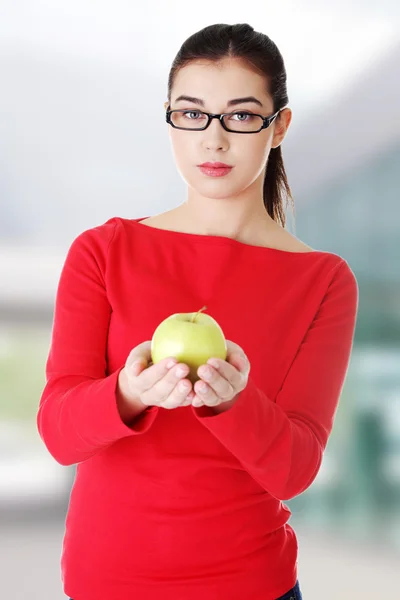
179	492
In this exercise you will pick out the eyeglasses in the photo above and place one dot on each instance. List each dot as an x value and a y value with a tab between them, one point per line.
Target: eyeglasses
236	122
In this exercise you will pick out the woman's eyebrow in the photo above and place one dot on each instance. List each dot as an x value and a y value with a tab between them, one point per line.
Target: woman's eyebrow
229	103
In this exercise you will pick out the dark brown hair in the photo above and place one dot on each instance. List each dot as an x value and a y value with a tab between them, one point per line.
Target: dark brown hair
219	41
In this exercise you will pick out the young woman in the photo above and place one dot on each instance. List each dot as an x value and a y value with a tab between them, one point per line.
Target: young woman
179	491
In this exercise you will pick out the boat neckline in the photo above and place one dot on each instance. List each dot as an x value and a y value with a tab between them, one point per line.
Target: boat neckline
217	239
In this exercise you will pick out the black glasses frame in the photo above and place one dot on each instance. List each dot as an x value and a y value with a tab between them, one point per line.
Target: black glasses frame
267	121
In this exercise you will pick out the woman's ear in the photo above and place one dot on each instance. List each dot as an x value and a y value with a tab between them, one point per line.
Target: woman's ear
281	123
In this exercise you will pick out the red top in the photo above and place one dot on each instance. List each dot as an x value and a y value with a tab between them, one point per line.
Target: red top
184	504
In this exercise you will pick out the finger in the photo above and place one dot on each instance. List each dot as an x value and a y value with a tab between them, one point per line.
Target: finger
232	348
181	395
217	381
189	398
163	387
206	394
234	369
241	365
143	350
235	352
196	401
138	366
179	398
152	375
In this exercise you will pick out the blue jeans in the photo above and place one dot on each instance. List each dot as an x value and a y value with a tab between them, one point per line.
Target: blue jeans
293	594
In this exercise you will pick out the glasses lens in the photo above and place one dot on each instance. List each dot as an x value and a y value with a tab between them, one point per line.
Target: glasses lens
196	119
189	119
243	122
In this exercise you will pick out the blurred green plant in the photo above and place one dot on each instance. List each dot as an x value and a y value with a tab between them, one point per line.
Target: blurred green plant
23	355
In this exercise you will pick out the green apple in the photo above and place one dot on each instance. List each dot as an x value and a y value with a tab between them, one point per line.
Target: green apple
192	338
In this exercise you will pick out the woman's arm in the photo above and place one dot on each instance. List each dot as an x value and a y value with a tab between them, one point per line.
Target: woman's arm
82	411
281	443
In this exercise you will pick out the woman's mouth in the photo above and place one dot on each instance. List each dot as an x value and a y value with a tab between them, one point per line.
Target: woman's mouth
217	171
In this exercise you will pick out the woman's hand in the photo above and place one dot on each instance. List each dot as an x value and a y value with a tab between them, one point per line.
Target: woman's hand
227	378
163	384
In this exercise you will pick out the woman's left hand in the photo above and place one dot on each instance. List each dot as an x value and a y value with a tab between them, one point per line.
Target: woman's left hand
227	378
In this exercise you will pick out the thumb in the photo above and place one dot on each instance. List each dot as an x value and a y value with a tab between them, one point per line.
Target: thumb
139	358
138	365
238	361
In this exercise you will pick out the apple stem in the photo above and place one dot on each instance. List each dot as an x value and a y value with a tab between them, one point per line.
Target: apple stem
198	312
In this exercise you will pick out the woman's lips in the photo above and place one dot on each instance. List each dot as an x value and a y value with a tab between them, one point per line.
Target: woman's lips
215	171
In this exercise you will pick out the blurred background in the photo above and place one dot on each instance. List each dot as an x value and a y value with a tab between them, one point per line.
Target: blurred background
81	120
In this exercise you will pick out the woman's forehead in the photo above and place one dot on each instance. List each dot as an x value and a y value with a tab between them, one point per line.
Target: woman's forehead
208	83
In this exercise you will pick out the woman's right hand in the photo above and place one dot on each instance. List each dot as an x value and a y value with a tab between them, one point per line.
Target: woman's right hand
162	384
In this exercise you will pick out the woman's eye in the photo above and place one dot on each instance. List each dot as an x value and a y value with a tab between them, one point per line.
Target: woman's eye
192	112
241	114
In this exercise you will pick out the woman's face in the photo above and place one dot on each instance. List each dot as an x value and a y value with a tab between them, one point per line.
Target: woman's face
216	84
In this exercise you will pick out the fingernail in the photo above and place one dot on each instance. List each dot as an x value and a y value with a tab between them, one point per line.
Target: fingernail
207	374
171	363
137	363
214	363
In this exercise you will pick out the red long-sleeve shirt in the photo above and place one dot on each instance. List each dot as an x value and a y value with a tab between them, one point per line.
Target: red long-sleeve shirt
185	504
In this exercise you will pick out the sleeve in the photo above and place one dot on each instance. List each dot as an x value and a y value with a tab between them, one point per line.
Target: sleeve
78	414
281	444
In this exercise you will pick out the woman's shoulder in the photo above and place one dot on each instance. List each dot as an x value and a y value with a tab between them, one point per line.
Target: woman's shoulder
101	234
